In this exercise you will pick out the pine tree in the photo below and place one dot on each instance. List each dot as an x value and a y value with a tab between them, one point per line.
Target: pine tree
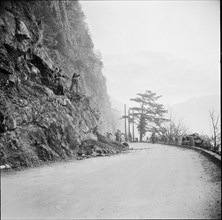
150	114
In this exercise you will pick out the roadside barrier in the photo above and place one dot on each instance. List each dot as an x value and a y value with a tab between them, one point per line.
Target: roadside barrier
216	158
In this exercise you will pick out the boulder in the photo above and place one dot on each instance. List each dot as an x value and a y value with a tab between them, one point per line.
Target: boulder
125	144
21	30
11	123
95	154
6	166
43	58
49	92
98	150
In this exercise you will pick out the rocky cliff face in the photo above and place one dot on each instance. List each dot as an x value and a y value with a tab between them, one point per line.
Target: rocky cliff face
37	124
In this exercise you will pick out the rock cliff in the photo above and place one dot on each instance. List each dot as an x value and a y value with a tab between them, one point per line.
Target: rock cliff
37	38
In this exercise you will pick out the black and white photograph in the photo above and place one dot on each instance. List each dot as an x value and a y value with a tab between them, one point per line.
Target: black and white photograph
110	109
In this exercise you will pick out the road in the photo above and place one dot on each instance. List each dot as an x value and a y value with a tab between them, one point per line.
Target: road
150	181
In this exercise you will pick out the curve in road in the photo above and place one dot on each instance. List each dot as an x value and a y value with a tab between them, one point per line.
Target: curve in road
150	181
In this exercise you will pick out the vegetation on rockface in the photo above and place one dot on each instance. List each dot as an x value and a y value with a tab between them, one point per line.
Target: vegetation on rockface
36	124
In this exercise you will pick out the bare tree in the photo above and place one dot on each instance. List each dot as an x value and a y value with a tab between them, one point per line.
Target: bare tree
179	130
174	130
214	119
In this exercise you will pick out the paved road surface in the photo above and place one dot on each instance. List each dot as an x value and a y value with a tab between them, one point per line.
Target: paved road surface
151	181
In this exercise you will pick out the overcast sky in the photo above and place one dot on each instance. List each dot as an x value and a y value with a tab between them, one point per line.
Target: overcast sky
169	47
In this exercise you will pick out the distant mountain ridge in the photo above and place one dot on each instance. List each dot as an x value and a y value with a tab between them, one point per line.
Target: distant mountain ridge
118	112
117	104
195	112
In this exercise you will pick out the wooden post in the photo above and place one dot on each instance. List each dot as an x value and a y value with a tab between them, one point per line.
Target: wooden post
128	123
133	125
125	117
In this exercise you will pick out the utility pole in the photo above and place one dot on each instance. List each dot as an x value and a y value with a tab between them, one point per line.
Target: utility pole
125	117
128	123
133	125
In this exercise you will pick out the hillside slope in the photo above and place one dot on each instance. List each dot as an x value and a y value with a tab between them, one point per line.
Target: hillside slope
37	124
